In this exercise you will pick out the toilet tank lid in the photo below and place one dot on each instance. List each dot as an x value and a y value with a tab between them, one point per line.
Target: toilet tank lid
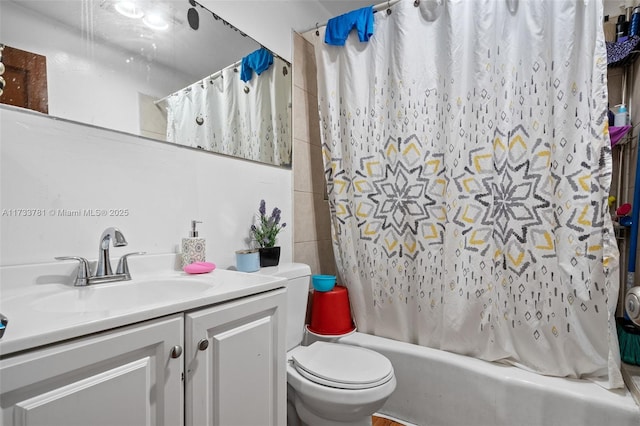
287	270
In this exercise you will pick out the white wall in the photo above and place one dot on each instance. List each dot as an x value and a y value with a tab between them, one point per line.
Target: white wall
50	164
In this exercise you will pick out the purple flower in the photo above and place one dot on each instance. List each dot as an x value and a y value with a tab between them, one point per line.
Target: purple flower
275	215
266	230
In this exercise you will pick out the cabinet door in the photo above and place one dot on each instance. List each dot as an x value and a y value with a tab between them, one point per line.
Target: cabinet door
236	363
122	377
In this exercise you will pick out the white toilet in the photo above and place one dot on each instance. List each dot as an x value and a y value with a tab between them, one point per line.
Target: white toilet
328	383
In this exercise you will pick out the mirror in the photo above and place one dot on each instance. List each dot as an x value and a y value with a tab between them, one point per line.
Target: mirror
167	70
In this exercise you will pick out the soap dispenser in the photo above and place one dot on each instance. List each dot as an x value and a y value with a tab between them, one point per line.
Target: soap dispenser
193	247
621	117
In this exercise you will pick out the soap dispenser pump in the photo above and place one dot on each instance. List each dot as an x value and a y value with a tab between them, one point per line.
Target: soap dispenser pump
193	247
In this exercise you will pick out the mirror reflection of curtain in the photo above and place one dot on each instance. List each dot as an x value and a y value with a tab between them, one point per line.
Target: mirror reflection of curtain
219	114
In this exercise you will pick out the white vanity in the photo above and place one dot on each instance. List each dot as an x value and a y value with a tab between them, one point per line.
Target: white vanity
163	349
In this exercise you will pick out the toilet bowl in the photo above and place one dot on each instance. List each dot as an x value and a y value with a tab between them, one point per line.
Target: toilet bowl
328	384
335	384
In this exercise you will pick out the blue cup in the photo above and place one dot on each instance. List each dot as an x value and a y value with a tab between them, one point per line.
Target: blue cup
248	260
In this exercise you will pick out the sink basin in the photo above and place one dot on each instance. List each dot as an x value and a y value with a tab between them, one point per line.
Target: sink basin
122	295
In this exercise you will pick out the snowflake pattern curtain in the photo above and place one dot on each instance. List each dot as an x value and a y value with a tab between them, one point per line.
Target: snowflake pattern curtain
250	120
468	165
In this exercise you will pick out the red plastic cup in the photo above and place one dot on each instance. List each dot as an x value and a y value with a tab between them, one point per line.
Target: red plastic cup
330	312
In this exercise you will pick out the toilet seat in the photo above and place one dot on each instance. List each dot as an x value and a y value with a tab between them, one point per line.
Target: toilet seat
342	366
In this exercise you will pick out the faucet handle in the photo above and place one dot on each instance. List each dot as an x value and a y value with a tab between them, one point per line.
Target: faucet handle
3	325
123	265
83	275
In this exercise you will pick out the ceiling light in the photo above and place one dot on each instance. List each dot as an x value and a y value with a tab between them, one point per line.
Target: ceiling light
155	21
129	9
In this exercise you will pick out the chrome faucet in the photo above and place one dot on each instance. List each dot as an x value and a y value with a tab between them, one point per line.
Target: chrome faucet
104	273
104	261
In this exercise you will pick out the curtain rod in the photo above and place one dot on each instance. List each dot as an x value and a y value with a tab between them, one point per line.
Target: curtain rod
376	8
217	74
209	77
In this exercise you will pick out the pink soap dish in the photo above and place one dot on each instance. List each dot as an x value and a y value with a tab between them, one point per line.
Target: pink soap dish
199	268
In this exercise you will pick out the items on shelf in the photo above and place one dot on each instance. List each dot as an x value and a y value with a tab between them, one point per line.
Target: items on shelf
617	133
624	52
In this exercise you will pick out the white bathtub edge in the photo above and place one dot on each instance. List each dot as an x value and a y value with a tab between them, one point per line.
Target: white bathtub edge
492	392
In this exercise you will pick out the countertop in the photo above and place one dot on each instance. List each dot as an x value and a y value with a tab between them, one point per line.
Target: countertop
44	307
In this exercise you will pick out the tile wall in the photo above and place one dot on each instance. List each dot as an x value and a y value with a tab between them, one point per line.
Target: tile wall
311	219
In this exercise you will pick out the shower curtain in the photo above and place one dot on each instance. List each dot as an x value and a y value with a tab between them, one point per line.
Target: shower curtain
250	120
468	165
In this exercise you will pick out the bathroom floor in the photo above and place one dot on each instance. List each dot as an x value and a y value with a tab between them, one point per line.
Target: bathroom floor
380	421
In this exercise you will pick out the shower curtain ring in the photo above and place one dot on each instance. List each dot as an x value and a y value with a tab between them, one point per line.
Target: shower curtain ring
317	30
416	3
388	7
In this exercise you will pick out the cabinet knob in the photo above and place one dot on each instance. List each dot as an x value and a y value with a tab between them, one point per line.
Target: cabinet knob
203	344
176	351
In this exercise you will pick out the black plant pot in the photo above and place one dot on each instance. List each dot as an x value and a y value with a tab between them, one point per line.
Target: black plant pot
269	256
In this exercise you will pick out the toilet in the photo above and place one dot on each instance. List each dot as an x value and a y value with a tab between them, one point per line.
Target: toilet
328	383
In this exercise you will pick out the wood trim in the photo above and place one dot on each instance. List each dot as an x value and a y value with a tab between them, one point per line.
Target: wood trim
381	421
25	80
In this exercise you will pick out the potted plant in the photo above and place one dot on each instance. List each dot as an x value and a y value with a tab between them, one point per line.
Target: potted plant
265	233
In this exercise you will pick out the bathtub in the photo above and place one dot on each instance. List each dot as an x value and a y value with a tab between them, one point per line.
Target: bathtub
440	388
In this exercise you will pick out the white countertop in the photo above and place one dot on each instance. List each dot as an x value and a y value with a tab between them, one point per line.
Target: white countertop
44	307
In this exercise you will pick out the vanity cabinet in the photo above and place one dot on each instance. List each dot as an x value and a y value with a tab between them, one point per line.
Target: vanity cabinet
235	363
218	365
120	377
